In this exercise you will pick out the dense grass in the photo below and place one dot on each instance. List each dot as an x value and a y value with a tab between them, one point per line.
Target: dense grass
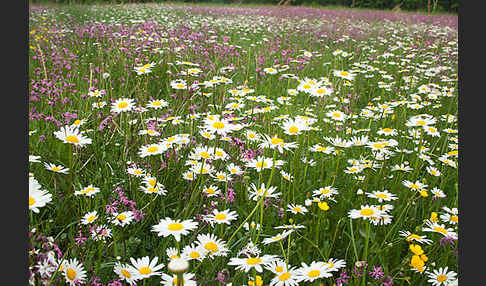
396	67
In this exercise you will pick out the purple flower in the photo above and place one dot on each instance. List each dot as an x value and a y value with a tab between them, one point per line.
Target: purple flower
231	196
80	239
222	276
342	279
377	272
446	240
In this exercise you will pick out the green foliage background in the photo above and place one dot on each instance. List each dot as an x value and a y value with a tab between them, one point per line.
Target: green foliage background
409	5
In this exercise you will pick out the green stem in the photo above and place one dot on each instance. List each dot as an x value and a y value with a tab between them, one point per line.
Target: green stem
352	238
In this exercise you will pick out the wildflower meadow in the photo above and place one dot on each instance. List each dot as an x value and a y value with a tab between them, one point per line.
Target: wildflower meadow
225	145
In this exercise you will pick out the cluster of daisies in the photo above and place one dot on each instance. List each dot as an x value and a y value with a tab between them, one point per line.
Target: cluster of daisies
300	140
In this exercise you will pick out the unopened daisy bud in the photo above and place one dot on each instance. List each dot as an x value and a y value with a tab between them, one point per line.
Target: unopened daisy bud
106	75
118	257
291	221
308	203
178	265
359	192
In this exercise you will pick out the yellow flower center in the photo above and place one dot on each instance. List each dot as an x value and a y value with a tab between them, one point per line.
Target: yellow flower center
218	125
205	155
420	122
344	73
71	274
72	139
152	149
276	141
367	212
441	278
211	246
122	104
194	254
87	190
121	217
297	209
306	86
293	129
414	186
126	273
220	216
454	218
382	196
253	261
441	230
31	201
325	191
77	122
284	276
210	191
145	270
452	153
91	218
329	264
175	226
279	268
152	182
321	148
261	164
314	273
414	236
180	85
152	190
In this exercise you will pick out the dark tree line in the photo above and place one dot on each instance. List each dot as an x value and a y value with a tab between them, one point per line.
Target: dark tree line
409	5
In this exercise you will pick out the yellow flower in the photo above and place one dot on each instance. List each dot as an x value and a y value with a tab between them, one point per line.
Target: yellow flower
323	206
416	249
423	193
433	217
417	263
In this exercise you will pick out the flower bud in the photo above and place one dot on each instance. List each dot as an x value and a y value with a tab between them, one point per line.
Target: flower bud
178	265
